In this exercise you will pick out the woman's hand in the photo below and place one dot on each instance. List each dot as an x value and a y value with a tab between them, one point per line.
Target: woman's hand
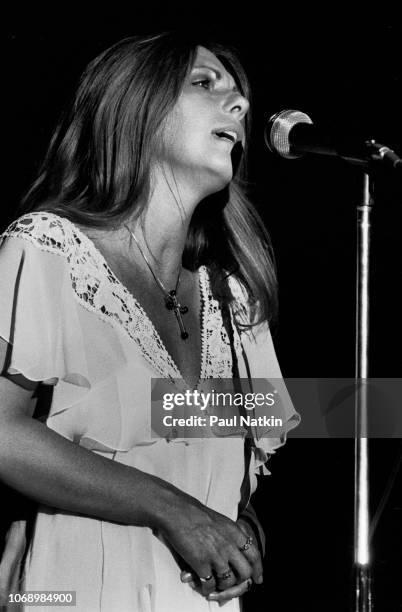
226	593
217	549
219	596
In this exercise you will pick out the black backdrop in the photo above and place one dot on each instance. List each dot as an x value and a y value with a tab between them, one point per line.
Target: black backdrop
350	78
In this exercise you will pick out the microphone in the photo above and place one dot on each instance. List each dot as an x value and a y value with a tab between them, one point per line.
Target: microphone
292	134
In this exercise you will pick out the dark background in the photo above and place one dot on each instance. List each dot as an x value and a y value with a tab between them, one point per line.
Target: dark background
346	76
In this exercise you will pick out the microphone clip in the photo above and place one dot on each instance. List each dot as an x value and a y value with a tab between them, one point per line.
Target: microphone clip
383	154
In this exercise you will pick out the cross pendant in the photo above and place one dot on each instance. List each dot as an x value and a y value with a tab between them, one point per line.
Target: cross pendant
172	303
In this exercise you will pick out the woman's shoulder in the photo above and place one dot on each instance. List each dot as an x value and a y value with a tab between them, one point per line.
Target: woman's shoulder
46	230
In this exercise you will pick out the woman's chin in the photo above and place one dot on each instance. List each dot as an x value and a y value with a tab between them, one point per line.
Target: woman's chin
220	176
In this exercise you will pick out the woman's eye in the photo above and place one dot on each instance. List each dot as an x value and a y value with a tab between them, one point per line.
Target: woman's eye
205	83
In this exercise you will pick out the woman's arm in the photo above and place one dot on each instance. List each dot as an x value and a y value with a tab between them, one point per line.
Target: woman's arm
43	465
52	470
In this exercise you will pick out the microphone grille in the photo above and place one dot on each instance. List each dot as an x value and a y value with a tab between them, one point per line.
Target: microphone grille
278	130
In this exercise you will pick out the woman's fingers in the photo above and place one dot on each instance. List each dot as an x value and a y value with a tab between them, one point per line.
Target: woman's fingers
250	550
252	554
206	581
225	577
246	560
234	591
188	578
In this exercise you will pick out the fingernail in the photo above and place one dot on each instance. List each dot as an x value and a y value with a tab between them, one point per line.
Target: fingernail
213	596
260	579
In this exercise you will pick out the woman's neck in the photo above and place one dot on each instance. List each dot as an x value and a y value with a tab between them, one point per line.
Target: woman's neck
163	226
161	232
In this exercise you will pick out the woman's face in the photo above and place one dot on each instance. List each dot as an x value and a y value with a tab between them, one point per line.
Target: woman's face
204	126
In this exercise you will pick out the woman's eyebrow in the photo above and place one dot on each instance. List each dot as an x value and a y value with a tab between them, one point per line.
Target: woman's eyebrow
217	72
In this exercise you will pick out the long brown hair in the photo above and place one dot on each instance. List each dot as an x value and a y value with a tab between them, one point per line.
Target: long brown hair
97	168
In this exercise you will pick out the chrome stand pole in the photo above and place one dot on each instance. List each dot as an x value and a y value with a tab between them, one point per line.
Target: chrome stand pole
363	600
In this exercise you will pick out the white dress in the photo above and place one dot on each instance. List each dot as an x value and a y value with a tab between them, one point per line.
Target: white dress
71	321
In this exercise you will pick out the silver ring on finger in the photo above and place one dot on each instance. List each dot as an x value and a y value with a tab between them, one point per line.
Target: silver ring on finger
225	576
206	578
247	544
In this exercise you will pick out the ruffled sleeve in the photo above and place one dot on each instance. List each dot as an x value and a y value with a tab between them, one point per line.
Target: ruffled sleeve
258	363
47	331
31	313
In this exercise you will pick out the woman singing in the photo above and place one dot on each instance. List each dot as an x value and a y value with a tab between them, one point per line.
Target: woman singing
136	256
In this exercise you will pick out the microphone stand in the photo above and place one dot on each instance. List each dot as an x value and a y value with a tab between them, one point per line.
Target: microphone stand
373	153
376	153
289	134
363	599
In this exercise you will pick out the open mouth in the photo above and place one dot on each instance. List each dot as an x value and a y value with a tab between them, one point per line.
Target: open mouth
227	135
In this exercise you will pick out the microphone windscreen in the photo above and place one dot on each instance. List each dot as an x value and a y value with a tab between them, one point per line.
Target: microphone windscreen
278	130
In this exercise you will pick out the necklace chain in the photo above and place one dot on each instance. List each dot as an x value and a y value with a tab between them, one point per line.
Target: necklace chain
171	301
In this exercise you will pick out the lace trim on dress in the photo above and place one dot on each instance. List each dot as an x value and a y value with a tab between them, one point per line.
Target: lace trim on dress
97	289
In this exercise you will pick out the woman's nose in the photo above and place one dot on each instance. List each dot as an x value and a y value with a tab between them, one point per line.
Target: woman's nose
236	104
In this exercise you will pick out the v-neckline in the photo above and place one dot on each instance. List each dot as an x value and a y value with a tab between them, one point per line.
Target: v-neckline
202	277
